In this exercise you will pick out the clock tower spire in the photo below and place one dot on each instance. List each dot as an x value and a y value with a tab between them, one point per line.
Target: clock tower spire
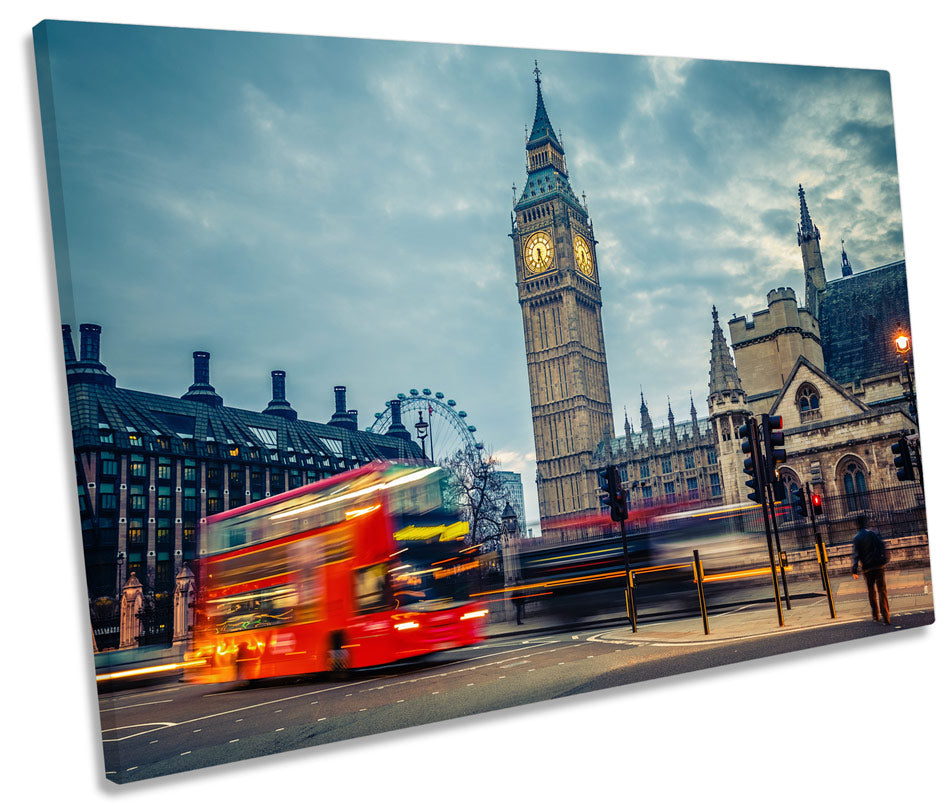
558	281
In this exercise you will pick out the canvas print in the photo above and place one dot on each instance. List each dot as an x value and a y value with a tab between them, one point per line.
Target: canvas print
410	381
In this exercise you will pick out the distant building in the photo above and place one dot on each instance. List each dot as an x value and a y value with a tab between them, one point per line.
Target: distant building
511	481
151	468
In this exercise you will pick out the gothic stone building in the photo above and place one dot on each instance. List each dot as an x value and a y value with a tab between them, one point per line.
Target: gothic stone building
830	370
151	468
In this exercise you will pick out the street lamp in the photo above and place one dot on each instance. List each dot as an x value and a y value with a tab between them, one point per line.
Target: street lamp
902	345
421	431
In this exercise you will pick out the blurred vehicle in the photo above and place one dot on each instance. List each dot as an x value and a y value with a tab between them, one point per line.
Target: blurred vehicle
365	568
587	577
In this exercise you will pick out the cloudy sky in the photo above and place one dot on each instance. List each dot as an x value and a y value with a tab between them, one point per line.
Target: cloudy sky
340	209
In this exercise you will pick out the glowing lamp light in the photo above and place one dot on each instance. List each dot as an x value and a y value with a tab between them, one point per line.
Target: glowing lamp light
408	625
902	342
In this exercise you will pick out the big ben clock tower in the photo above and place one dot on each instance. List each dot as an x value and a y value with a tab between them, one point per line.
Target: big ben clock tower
559	292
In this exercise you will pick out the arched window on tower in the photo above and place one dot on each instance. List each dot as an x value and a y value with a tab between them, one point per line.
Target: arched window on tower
808	402
852	479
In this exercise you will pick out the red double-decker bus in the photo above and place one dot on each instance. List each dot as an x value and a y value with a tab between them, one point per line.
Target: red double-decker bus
367	567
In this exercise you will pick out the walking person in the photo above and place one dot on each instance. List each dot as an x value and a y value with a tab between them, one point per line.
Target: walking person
518	600
870	551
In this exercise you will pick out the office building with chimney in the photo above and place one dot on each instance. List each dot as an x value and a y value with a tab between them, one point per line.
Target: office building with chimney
151	468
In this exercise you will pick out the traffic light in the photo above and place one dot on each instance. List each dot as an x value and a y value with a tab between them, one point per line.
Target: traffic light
613	496
773	440
799	503
816	503
747	432
902	461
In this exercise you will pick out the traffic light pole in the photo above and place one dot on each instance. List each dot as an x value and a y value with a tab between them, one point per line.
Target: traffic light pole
820	550
778	543
628	584
758	473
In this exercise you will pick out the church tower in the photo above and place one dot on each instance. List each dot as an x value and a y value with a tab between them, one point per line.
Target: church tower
559	292
809	239
727	412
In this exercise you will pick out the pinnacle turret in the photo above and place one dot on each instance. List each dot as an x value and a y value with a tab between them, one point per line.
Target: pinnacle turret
723	377
846	269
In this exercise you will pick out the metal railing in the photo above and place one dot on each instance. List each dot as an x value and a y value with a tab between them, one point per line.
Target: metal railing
894	512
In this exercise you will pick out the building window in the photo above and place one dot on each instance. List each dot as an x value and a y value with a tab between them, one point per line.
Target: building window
189	472
135	439
669	490
163	533
692	486
667	465
135	531
689	460
711	456
644	470
189	501
107	464
714	485
106	437
808	402
164	499
137	499
107	497
214	500
164	468
855	486
647	491
137	465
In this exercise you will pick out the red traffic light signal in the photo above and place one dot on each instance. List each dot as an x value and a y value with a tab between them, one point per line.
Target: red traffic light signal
816	503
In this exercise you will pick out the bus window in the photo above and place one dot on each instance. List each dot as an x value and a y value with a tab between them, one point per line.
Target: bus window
372	589
253	610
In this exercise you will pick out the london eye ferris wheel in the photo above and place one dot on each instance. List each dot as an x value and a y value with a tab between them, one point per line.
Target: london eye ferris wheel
435	422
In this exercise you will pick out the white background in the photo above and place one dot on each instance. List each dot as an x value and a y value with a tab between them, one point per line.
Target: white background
827	728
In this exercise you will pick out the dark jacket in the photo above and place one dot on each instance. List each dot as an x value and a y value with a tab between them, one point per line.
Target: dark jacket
868	548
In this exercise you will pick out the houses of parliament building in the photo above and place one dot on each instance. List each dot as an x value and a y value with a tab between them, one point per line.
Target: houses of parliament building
828	367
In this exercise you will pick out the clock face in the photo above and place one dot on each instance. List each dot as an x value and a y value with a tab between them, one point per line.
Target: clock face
582	257
538	252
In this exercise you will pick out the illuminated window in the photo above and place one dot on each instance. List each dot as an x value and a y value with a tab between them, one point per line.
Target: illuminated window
135	439
164	503
189	471
137	465
164	468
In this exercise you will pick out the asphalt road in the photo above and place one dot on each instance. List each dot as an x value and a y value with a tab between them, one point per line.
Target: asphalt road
165	729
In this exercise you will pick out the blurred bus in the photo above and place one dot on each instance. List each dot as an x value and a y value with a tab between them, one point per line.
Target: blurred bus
364	568
586	577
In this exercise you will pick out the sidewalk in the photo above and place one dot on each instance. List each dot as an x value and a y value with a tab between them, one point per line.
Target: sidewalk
907	591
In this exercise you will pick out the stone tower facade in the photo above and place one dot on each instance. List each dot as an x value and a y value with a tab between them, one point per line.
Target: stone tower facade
558	282
809	240
727	412
767	347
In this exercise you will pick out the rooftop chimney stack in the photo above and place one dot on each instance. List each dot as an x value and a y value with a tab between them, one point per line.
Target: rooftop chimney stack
68	349
89	343
202	390
340	417
279	404
397	429
88	369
